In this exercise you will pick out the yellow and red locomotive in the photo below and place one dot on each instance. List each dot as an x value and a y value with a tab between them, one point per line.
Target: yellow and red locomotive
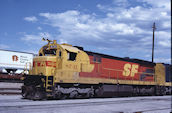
66	71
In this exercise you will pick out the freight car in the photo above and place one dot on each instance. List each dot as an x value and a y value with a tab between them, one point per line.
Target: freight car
66	71
13	63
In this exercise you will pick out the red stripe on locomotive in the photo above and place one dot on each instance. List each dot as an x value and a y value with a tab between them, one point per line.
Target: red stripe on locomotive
44	63
118	69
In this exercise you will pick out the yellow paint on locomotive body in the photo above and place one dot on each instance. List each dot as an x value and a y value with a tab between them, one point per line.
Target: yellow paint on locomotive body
160	74
168	83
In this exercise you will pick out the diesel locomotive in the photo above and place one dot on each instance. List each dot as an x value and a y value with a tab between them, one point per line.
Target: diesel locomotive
64	71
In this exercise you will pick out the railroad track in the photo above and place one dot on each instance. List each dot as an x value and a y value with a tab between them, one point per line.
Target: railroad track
10	88
153	110
70	104
10	91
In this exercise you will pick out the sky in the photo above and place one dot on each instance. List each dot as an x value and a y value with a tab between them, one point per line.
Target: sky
121	28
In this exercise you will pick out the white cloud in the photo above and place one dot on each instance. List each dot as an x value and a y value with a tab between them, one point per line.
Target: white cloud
3	46
100	6
75	24
62	41
165	43
124	26
31	51
31	19
36	39
163	60
166	24
148	55
163	38
39	28
165	4
121	3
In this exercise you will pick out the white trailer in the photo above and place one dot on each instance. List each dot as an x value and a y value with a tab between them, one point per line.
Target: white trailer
14	60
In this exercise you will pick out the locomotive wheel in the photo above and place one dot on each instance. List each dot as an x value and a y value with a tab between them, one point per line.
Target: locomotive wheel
24	92
99	92
73	94
89	95
59	96
27	92
63	97
38	94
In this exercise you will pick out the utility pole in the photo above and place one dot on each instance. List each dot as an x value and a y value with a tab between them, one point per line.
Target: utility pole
154	28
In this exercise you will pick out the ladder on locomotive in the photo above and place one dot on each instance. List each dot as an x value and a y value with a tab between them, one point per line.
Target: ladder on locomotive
49	85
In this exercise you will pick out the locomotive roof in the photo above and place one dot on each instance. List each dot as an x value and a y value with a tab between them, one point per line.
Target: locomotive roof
142	62
70	48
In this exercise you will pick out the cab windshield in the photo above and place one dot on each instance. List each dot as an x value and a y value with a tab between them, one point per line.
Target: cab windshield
49	52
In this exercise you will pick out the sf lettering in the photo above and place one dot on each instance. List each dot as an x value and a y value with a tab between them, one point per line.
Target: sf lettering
130	70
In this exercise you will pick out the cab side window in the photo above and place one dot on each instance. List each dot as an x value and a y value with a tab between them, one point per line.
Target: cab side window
71	56
97	59
60	54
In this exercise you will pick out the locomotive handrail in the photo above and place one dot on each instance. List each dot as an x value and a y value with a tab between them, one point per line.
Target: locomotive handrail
26	67
122	71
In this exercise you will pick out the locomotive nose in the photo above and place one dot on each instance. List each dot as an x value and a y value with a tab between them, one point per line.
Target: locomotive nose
43	65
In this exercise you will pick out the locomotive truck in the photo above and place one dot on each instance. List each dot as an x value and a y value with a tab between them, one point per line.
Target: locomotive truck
65	71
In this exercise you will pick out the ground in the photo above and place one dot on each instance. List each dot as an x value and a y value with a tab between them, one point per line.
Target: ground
151	104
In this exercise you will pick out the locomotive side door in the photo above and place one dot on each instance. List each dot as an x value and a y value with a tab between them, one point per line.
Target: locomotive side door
59	58
98	65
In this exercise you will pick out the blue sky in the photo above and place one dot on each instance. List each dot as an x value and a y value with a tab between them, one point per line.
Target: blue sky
120	28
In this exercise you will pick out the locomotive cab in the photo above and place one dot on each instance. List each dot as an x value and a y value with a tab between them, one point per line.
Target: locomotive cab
45	63
56	63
